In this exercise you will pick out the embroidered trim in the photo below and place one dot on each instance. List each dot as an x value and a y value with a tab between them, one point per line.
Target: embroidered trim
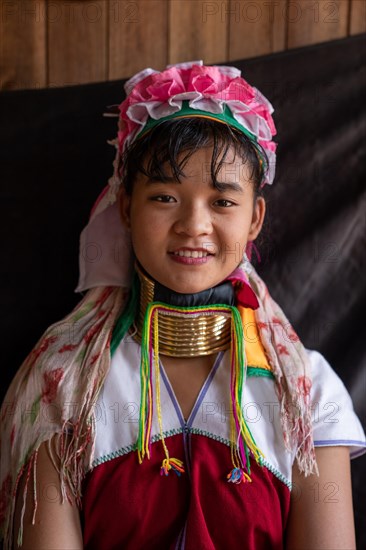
129	448
276	472
198	431
262	461
114	454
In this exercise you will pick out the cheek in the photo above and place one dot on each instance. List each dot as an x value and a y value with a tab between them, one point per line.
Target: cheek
236	230
147	231
143	213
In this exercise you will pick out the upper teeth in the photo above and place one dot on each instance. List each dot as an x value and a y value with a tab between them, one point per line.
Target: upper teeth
191	253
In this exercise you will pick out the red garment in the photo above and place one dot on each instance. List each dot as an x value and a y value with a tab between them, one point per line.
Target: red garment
131	506
127	505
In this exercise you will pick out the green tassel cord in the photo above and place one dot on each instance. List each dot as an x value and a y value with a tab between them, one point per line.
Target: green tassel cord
242	441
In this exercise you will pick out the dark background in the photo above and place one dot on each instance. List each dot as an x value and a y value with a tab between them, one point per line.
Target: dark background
54	161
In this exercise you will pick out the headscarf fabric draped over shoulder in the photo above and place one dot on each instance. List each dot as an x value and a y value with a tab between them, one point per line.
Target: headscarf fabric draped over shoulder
53	394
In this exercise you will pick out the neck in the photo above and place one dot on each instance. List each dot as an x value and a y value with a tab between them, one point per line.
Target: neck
189	325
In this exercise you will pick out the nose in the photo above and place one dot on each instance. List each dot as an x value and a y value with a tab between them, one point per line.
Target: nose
193	220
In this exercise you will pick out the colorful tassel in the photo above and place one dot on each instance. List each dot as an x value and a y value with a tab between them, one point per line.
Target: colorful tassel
237	475
149	357
242	441
145	421
172	464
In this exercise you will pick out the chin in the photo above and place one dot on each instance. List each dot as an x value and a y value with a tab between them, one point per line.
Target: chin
188	284
188	287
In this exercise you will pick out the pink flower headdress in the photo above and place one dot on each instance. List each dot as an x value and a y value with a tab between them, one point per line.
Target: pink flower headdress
184	90
217	91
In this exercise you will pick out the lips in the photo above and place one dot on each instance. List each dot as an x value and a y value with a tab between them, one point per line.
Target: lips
185	252
191	253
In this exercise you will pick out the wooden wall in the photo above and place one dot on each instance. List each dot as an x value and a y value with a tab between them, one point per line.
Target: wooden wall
46	43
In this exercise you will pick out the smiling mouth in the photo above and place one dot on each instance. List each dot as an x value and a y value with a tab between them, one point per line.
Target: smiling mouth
191	253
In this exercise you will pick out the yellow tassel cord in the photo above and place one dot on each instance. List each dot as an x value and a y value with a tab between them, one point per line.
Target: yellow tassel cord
151	326
168	463
143	442
242	441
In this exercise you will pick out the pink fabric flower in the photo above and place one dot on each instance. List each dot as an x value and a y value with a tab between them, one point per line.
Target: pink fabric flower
155	95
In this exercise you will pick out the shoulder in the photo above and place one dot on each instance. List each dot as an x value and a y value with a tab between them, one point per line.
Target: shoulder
321	514
49	519
56	386
334	419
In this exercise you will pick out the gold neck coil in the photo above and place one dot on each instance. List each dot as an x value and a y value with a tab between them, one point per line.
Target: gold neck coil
201	333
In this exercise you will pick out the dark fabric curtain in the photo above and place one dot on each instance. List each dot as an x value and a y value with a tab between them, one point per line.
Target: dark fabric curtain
54	161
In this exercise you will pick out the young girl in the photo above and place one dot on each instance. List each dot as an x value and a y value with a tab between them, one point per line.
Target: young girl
175	407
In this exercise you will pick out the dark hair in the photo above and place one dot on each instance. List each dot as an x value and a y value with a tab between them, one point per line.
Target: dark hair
166	142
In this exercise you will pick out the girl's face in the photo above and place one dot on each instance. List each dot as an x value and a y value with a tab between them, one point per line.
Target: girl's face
188	235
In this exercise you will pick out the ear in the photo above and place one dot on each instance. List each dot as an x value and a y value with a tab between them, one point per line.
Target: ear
259	212
124	204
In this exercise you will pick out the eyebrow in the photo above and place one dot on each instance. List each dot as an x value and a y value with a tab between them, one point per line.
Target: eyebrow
224	186
167	179
220	185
